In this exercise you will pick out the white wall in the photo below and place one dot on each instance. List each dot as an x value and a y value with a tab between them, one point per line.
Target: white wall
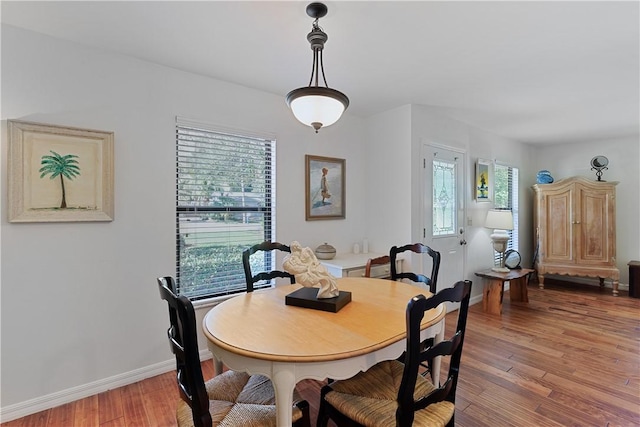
566	160
489	146
79	300
388	201
395	139
80	310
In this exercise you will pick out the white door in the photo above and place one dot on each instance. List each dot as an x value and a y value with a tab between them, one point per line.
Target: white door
443	210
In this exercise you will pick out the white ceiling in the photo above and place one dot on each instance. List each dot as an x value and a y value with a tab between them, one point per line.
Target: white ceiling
538	72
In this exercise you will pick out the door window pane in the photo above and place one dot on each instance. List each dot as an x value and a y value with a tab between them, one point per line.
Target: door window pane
444	198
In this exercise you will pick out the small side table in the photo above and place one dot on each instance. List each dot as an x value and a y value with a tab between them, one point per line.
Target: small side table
494	288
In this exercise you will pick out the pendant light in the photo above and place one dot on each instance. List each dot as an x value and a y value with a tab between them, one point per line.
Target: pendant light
314	105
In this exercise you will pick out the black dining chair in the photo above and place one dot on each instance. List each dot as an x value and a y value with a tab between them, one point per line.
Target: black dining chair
265	275
430	281
393	393
230	398
417	248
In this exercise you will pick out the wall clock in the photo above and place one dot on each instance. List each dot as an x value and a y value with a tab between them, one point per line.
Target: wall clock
512	259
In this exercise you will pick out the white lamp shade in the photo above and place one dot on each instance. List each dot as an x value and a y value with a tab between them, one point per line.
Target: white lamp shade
499	219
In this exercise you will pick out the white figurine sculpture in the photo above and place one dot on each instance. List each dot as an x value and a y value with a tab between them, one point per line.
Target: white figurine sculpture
308	271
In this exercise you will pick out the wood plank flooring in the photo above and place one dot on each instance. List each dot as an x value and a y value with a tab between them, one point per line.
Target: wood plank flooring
568	358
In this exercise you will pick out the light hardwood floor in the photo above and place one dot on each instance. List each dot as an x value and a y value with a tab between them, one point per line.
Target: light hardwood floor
568	358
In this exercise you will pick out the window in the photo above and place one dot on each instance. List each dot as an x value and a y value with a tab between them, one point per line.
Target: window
225	193
506	196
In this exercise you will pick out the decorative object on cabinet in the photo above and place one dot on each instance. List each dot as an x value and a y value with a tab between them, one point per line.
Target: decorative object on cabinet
598	164
483	183
512	259
324	188
575	222
325	251
544	177
59	174
317	106
500	220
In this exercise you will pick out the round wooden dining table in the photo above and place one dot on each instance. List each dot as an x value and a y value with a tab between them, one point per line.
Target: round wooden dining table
258	333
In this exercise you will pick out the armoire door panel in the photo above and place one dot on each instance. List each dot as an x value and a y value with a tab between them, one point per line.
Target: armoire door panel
558	231
594	237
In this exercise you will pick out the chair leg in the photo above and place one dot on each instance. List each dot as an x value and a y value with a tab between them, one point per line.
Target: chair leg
451	422
305	421
323	419
327	412
323	414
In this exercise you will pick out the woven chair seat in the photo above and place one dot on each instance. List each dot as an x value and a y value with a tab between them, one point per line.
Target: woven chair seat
370	398
239	399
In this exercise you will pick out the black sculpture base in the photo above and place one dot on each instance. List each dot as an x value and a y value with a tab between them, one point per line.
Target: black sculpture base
307	298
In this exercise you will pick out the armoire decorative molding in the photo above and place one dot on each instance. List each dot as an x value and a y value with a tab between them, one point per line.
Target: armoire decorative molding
575	226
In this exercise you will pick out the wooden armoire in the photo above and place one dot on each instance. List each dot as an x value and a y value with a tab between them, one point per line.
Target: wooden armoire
575	226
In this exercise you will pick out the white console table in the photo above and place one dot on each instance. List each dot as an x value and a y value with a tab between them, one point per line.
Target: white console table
353	265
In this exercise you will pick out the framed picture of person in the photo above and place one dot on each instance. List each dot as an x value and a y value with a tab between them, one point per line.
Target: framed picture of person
324	188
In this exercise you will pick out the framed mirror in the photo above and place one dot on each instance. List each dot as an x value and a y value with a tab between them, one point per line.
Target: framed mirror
512	259
598	164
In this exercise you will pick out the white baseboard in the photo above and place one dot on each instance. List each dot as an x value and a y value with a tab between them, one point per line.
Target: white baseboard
61	397
475	300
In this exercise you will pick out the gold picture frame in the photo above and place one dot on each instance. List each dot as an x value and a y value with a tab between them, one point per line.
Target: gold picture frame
59	174
324	188
483	183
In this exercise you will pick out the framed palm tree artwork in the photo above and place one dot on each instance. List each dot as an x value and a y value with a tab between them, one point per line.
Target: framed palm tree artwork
59	174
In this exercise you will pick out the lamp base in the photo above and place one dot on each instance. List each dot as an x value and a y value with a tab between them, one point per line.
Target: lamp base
500	269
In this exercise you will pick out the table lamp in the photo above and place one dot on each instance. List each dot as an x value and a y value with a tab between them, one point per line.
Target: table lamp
500	220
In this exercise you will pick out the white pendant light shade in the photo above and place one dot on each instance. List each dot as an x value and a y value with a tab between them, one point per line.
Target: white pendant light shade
317	106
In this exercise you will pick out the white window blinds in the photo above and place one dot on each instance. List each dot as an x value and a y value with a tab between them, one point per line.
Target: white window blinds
506	197
224	204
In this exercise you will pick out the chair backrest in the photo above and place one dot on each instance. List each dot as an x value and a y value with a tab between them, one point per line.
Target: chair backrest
263	275
184	345
381	260
417	248
416	354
